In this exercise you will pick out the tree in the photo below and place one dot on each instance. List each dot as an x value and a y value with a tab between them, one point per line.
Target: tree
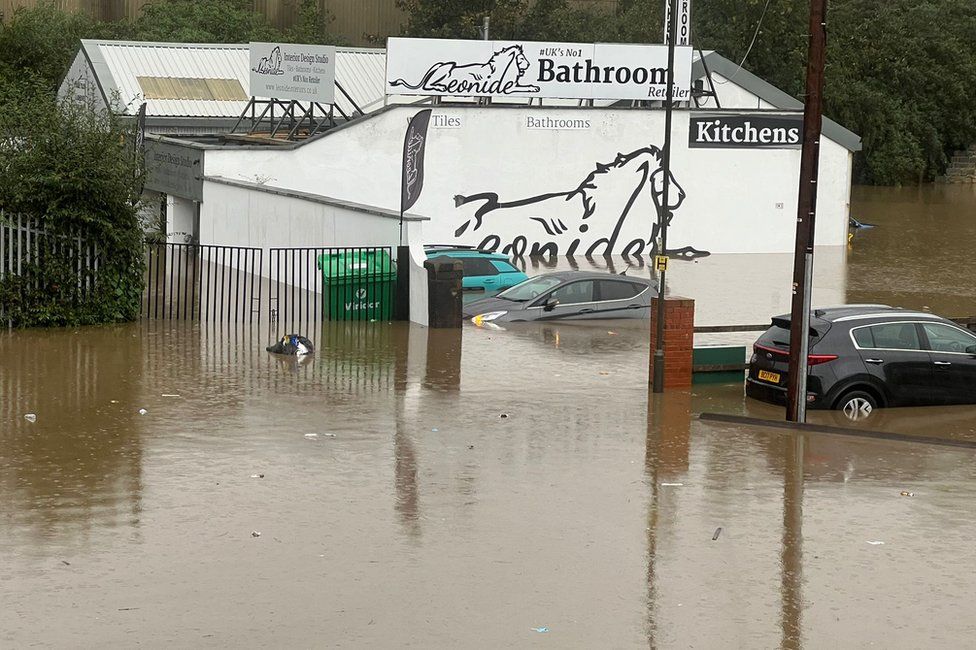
75	170
202	21
38	45
312	25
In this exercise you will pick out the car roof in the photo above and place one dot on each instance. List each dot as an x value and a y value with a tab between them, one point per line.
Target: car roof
459	253
865	312
565	276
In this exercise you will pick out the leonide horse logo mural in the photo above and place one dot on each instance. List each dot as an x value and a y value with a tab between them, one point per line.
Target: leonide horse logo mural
613	197
501	74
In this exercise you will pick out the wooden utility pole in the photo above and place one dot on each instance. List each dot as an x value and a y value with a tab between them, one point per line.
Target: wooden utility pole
662	211
806	215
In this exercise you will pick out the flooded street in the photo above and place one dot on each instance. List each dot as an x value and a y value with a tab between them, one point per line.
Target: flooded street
482	488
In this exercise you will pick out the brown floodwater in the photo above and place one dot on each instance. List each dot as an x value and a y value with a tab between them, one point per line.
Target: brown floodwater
436	488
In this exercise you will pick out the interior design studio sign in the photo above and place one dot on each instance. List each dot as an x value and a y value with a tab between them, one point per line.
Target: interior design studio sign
293	71
421	66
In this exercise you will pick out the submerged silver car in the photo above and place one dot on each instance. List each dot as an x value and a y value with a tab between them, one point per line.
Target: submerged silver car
567	295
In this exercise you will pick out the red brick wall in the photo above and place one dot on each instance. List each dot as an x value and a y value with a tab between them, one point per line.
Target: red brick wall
679	340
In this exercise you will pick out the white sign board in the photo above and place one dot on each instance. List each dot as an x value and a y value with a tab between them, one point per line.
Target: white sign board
684	22
420	66
293	71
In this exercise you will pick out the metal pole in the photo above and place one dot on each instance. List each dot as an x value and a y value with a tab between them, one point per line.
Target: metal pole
806	214
484	28
662	211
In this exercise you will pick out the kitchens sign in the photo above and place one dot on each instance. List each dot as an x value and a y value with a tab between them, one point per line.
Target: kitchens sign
293	71
745	131
420	66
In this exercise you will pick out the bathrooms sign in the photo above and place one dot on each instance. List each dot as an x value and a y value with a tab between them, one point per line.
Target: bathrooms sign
745	131
420	66
293	71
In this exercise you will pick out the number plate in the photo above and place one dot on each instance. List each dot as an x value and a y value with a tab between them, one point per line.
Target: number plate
771	377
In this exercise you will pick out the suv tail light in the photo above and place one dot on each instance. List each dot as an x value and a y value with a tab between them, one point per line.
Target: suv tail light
812	359
817	359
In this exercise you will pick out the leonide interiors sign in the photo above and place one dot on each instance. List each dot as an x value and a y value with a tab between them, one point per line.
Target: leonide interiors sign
422	66
293	71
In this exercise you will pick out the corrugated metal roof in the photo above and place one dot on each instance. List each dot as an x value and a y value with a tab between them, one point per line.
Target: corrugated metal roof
119	64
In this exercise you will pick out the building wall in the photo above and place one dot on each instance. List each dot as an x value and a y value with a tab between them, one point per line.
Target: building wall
737	200
731	95
234	216
81	86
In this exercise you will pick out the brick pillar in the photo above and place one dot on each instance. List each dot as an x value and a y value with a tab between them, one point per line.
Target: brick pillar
679	339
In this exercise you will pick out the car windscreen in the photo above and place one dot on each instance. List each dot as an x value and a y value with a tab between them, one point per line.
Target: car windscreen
531	288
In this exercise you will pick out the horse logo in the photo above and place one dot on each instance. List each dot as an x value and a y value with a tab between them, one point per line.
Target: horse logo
270	64
500	75
560	222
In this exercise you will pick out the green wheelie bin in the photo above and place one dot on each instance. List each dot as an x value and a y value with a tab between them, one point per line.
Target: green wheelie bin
358	284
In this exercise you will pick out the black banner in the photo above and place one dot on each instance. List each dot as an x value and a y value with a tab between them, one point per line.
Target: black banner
414	144
745	131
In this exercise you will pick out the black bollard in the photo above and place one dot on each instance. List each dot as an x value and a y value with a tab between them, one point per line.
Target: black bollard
444	277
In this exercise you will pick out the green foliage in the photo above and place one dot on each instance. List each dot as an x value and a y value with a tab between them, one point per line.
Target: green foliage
312	25
75	170
202	21
39	43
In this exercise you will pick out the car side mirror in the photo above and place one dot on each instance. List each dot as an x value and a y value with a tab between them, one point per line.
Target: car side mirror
550	304
971	349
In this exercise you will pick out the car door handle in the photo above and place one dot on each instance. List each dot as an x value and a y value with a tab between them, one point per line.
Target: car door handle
874	360
943	363
489	281
633	306
586	311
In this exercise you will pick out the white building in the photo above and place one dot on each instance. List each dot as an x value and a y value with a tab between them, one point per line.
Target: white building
555	178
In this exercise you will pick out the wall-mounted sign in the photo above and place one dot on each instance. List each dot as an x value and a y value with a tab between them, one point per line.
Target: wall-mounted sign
293	71
683	28
446	121
174	169
548	123
422	66
745	131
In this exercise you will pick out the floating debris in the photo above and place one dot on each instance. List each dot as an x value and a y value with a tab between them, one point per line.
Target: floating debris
170	395
143	411
257	475
540	630
875	542
718	531
503	416
672	484
255	533
30	417
907	494
311	436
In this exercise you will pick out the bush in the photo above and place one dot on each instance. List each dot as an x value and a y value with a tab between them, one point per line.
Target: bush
73	170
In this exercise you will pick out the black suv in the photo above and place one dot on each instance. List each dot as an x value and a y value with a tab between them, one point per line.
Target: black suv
868	356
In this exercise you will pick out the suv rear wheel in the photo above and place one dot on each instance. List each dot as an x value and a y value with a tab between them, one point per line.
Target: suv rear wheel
857	405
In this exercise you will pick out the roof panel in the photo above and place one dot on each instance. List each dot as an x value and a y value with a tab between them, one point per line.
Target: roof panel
360	71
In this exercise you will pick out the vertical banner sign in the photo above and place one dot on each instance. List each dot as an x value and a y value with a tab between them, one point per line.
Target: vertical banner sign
139	142
684	22
414	144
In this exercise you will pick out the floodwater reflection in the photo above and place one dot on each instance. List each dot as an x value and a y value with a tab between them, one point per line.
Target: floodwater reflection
445	489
